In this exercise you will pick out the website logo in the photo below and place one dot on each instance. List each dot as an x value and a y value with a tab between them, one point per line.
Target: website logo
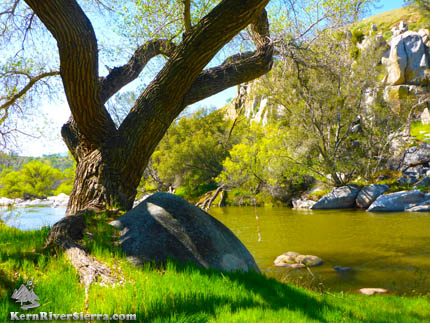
26	294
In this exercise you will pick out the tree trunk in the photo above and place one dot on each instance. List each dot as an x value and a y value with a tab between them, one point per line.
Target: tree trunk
99	184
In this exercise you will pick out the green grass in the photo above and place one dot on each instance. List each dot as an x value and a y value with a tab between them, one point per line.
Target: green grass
179	293
419	131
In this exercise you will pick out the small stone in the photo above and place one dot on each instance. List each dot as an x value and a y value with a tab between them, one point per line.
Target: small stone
342	270
309	260
372	291
286	258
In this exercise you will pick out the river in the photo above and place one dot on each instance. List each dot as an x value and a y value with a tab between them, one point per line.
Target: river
388	250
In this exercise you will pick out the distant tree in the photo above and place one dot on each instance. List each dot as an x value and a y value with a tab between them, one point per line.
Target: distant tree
35	178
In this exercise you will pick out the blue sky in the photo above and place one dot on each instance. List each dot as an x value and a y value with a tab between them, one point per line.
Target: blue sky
55	145
386	5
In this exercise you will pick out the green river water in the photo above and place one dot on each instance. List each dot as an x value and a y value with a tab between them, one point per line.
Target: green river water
388	250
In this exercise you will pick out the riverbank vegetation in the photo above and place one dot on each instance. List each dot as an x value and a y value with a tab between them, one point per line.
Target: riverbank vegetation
177	293
22	177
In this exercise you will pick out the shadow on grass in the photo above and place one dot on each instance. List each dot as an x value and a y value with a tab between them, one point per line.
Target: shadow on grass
274	296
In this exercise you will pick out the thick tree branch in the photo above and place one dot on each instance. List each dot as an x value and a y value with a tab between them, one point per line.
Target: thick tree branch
77	45
32	81
163	99
121	76
217	79
236	69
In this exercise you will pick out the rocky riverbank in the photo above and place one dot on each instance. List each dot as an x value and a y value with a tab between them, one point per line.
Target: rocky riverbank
60	200
371	197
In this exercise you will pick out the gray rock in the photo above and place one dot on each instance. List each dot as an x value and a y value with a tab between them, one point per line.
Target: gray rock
303	204
425	116
292	259
286	259
339	198
369	194
412	156
408	179
425	181
166	226
61	200
408	60
137	202
398	201
309	260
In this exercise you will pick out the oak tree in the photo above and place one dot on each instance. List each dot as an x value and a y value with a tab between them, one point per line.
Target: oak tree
110	159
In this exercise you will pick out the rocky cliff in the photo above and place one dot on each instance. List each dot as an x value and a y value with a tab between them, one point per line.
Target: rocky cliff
406	59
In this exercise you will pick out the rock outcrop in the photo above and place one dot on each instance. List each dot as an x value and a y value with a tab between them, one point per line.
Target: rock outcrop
166	226
339	198
408	60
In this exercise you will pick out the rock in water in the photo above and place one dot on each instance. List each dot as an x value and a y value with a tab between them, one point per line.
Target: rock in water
339	198
370	193
309	260
166	226
302	204
371	291
285	259
398	201
292	259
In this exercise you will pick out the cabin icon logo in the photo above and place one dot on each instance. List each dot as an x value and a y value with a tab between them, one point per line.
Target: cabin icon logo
26	294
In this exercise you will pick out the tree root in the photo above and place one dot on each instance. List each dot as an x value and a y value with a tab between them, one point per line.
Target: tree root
65	234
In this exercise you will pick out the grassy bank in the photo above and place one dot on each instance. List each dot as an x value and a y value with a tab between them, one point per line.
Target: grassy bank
179	293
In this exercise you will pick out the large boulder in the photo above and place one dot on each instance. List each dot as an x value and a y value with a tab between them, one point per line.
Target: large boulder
398	201
166	226
408	61
369	194
339	198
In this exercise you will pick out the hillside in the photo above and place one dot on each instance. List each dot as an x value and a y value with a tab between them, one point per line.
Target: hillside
387	20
